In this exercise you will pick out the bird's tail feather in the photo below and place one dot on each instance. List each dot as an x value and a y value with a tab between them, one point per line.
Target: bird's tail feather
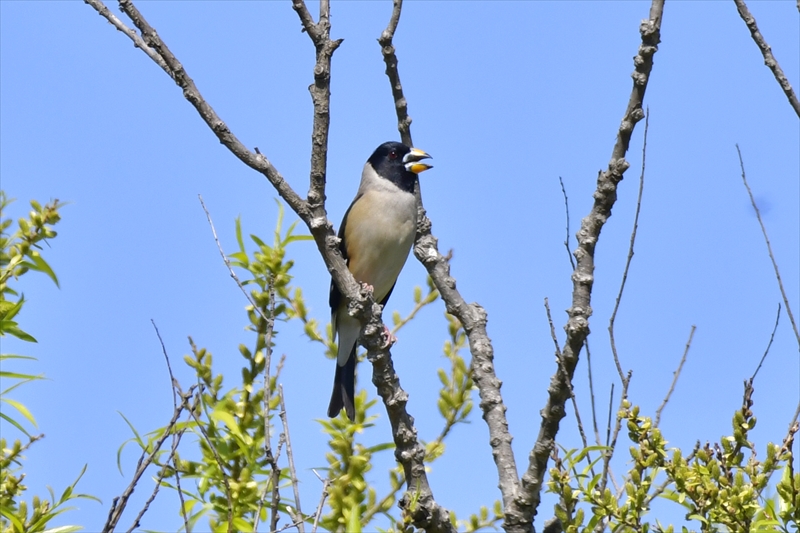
344	388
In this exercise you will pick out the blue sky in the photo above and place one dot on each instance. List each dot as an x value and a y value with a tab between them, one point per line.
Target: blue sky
507	97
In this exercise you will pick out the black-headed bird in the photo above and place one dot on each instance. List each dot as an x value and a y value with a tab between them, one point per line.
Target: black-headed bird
376	235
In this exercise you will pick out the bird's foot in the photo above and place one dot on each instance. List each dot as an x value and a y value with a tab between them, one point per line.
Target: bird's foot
367	287
390	339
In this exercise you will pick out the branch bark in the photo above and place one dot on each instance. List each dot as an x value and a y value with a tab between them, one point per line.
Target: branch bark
766	51
418	500
577	327
472	316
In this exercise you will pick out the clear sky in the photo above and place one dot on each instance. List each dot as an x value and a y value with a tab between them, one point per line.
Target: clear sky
507	97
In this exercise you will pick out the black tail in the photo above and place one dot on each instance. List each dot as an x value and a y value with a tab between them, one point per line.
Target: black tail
344	388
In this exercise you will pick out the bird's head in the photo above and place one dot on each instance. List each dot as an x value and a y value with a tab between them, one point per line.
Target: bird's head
398	163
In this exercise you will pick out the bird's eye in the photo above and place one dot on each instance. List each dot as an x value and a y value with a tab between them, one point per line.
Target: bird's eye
393	155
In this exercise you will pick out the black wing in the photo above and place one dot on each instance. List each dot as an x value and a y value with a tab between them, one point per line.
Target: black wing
335	297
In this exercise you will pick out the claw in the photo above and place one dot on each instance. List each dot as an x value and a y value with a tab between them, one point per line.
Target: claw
390	339
367	287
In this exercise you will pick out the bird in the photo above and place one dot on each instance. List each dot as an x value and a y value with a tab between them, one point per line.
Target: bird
375	237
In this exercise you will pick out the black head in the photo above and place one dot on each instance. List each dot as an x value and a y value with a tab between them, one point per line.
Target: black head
398	163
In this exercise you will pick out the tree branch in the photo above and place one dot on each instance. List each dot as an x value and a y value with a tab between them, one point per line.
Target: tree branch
119	503
766	51
577	327
362	305
472	316
675	377
769	248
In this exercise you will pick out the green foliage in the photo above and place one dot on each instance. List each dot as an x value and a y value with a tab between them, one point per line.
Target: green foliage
19	254
353	502
237	479
720	486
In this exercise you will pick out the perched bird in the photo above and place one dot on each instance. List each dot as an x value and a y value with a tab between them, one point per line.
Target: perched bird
376	235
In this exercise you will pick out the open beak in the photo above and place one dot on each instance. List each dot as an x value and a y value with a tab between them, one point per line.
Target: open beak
412	161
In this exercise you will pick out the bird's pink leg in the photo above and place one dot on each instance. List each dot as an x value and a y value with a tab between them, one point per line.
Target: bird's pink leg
390	339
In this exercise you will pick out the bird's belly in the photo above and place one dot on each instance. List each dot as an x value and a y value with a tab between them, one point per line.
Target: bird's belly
383	246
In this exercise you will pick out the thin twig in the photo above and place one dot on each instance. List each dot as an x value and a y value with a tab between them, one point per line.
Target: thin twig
270	325
572	391
675	376
628	260
566	239
610	413
591	391
290	457
176	391
612	444
769	249
220	465
119	503
227	261
176	439
766	51
769	344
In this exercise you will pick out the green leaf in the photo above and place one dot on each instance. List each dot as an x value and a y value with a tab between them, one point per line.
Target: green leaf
296	238
239	239
42	266
21	408
10	327
63	529
14	423
9	310
381	447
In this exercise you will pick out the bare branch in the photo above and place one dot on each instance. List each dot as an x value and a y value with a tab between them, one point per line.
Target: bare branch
120	502
306	19
766	51
426	513
613	318
322	498
675	377
104	12
270	326
572	391
227	261
591	391
769	344
577	327
176	392
176	71
566	207
312	212
769	249
321	97
472	316
295	483
612	444
176	439
389	57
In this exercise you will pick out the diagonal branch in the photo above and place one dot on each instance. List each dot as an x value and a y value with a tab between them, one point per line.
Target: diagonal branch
472	316
426	513
766	51
577	327
769	249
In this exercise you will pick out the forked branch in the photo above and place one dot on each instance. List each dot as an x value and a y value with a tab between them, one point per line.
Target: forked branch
427	514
